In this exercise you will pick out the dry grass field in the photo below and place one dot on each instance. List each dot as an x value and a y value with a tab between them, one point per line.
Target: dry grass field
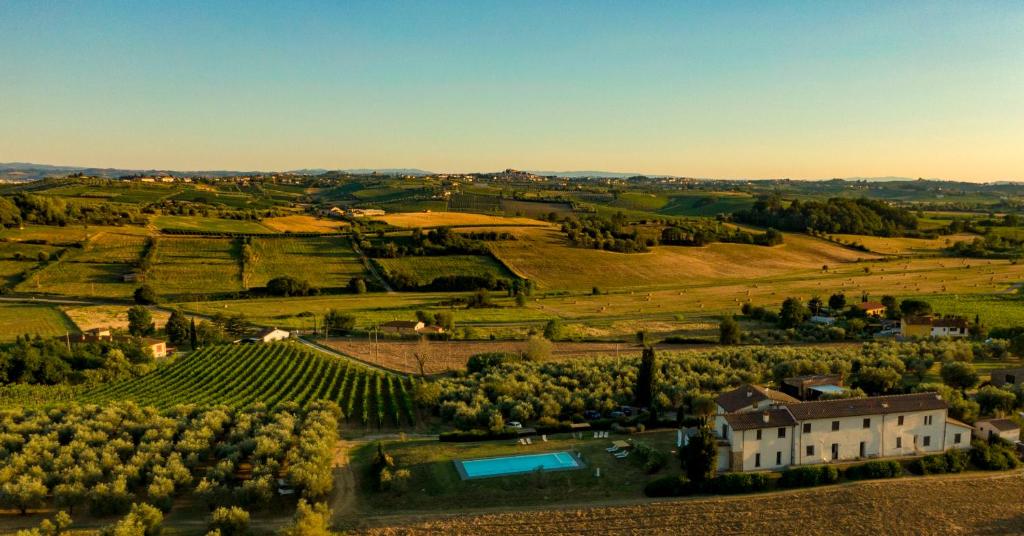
412	220
444	356
301	223
545	256
975	503
107	316
906	246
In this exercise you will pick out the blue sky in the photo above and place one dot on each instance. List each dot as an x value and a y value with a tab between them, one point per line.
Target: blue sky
711	89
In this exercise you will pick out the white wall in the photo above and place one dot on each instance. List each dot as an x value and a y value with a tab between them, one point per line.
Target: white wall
769	444
879	438
965	436
984	428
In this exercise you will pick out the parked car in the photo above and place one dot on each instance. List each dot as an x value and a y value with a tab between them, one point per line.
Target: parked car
591	414
514	424
627	411
616	414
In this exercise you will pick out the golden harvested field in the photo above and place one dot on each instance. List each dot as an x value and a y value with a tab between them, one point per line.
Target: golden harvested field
435	219
906	246
445	356
304	224
545	256
916	277
107	316
977	503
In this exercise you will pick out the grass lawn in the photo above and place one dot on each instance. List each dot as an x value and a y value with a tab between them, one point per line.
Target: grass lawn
435	484
21	319
200	223
426	269
323	261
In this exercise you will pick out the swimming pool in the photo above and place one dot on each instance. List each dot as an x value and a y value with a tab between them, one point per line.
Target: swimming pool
511	465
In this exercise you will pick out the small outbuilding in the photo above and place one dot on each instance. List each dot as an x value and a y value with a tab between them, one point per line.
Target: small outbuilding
1004	428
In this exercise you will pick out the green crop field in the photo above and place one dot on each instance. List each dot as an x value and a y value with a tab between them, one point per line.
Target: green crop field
10	270
241	375
110	247
323	261
80	279
709	204
193	266
31	319
426	269
200	223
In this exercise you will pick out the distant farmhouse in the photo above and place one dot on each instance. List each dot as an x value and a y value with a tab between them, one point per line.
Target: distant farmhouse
872	308
156	346
410	327
814	386
268	335
930	326
363	212
760	429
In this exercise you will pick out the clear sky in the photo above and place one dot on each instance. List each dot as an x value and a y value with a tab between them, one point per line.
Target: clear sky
709	89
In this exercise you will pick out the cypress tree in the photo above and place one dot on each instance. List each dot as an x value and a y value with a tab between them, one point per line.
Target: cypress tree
193	339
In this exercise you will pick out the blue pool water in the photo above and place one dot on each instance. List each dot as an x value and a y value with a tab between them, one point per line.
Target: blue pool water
511	465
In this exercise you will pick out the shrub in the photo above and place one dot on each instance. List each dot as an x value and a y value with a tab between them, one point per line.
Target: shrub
876	469
995	456
668	486
232	521
731	483
953	461
802	477
457	436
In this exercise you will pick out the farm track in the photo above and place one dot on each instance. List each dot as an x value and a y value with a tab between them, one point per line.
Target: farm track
975	503
371	269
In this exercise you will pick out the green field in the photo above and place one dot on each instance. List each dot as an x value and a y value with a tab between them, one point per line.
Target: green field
10	270
1003	310
29	319
707	204
200	223
80	279
195	266
240	375
325	262
426	269
110	247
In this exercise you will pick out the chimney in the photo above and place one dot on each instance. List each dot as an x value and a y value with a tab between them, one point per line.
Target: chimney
765	417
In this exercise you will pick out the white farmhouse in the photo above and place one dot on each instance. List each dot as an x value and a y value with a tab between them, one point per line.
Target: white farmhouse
1004	428
773	433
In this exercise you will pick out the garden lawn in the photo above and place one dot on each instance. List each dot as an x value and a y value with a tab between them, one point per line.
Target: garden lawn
435	484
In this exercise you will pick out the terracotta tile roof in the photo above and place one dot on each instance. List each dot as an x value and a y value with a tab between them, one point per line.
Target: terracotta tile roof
876	405
401	324
814	379
870	305
951	420
750	420
748	394
1003	425
949	323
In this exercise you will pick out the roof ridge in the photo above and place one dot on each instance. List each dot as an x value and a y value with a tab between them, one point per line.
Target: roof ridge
899	395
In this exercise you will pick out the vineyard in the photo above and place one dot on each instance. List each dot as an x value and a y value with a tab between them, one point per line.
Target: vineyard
238	376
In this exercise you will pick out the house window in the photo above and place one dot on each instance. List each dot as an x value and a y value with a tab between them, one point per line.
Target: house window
835	450
778	457
835	426
782	432
867	423
928	420
810	450
927	440
1010	378
899	442
757	460
899	420
807	427
861	449
725	431
956	438
758	434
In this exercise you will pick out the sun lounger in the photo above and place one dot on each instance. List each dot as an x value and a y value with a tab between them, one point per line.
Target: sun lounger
522	441
528	442
595	435
622	454
612	448
544	438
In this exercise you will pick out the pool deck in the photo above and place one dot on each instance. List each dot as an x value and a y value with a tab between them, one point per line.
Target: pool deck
465	476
